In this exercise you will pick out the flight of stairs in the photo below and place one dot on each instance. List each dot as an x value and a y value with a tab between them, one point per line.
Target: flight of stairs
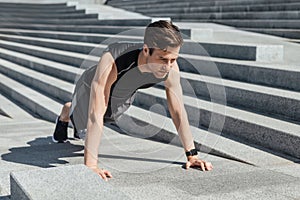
44	48
275	17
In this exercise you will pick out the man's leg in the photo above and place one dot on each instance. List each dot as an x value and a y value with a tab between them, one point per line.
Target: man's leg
60	134
65	112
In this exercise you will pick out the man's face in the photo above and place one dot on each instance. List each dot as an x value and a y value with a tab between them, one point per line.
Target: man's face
162	61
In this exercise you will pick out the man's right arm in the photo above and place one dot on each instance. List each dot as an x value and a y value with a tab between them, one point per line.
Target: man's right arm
100	87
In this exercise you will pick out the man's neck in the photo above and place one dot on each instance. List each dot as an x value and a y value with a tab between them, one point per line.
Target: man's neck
142	61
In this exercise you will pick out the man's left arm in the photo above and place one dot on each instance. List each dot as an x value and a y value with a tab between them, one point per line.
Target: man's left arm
180	118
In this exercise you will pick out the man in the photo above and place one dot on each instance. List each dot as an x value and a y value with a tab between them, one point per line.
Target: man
106	91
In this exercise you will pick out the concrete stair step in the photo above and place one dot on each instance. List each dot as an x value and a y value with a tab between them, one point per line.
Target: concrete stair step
71	28
32	5
108	12
69	58
287	33
52	21
161	128
288	15
37	9
156	93
124	22
122	30
271	133
55	69
225	9
10	11
76	36
42	106
269	101
278	75
294	40
12	110
50	86
25	185
256	97
11	17
231	69
265	53
72	46
290	24
207	143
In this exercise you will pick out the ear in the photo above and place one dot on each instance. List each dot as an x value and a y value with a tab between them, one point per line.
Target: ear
146	50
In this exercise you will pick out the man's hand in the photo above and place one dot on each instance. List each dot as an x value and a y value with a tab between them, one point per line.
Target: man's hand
104	174
194	161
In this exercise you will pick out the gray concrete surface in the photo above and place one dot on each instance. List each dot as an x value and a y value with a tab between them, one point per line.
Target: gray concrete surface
251	14
61	183
231	8
241	51
148	163
142	169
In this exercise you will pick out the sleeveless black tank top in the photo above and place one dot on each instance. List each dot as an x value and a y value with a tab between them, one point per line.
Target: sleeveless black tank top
123	90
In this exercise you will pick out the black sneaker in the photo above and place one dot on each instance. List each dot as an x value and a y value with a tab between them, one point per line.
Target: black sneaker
60	134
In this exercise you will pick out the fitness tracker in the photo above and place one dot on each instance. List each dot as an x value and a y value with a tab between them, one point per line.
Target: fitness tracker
192	152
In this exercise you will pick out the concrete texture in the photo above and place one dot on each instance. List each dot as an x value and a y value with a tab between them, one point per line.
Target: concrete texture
133	161
107	12
242	14
241	51
258	129
231	8
254	153
25	185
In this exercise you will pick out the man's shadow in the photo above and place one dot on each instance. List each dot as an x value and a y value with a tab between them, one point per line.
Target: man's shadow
42	152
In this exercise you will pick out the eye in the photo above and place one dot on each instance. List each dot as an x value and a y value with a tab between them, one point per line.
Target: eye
164	60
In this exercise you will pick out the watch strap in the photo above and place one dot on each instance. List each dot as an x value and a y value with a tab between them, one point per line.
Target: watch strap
192	152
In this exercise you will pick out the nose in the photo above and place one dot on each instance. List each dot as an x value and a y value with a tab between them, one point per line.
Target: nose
167	66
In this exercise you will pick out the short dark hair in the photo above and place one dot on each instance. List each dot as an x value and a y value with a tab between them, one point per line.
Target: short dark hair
162	34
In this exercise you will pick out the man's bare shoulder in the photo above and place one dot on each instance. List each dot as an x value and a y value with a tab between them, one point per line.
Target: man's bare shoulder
106	67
